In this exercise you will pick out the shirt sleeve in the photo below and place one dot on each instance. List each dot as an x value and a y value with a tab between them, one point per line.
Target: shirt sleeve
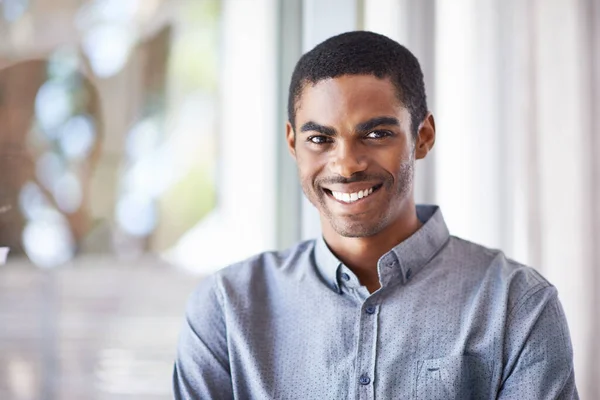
202	364
538	352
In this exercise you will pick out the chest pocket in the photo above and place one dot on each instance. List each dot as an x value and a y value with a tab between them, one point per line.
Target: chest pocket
456	377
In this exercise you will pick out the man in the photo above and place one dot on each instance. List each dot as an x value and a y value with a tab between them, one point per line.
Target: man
386	304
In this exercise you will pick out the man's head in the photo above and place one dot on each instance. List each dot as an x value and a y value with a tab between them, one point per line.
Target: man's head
362	53
357	121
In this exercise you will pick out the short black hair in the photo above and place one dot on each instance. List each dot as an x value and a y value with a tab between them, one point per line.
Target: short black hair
362	53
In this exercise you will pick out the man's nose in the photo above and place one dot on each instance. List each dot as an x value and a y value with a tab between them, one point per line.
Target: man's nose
347	160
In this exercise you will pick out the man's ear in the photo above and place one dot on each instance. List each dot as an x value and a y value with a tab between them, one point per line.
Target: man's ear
425	137
290	137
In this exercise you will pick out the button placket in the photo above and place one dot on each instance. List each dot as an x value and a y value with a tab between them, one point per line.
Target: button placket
367	351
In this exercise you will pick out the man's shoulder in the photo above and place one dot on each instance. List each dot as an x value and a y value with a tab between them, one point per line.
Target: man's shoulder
474	255
256	274
290	261
493	268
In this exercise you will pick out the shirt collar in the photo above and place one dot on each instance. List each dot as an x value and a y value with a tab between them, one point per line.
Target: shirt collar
403	261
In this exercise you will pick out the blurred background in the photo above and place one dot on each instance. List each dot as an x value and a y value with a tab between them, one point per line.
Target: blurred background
142	147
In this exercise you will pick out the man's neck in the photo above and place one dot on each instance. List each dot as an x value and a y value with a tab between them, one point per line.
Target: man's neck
362	253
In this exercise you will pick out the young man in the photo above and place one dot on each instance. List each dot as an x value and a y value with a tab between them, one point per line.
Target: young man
386	304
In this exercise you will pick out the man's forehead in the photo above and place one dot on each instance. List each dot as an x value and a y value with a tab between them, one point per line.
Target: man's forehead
359	97
344	83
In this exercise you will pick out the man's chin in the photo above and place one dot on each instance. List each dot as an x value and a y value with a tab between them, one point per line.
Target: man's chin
355	229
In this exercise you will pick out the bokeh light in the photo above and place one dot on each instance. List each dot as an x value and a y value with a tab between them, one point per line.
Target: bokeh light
49	168
48	241
3	254
143	138
68	193
53	106
108	47
136	214
63	63
109	34
13	9
77	137
32	201
100	11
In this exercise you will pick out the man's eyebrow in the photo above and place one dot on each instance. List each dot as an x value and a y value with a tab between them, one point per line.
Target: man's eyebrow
314	127
375	122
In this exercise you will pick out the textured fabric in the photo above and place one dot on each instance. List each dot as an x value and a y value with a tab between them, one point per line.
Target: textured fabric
452	320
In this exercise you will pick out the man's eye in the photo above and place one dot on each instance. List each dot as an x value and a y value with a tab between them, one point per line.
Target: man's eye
318	139
378	134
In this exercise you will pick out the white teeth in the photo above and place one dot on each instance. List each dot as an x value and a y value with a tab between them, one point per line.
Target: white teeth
352	197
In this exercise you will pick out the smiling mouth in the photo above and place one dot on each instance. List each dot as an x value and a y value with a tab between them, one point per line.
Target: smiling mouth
349	198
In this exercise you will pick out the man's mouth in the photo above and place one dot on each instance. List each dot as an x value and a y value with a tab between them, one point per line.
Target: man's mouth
348	198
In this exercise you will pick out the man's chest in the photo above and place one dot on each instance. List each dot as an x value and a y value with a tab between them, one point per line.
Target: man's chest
394	346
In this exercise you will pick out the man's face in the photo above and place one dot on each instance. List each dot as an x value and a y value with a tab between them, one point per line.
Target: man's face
355	153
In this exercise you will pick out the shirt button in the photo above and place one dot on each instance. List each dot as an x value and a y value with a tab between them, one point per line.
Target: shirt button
345	276
364	380
370	310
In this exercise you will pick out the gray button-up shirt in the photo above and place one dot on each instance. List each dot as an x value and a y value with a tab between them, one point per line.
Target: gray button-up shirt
452	320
